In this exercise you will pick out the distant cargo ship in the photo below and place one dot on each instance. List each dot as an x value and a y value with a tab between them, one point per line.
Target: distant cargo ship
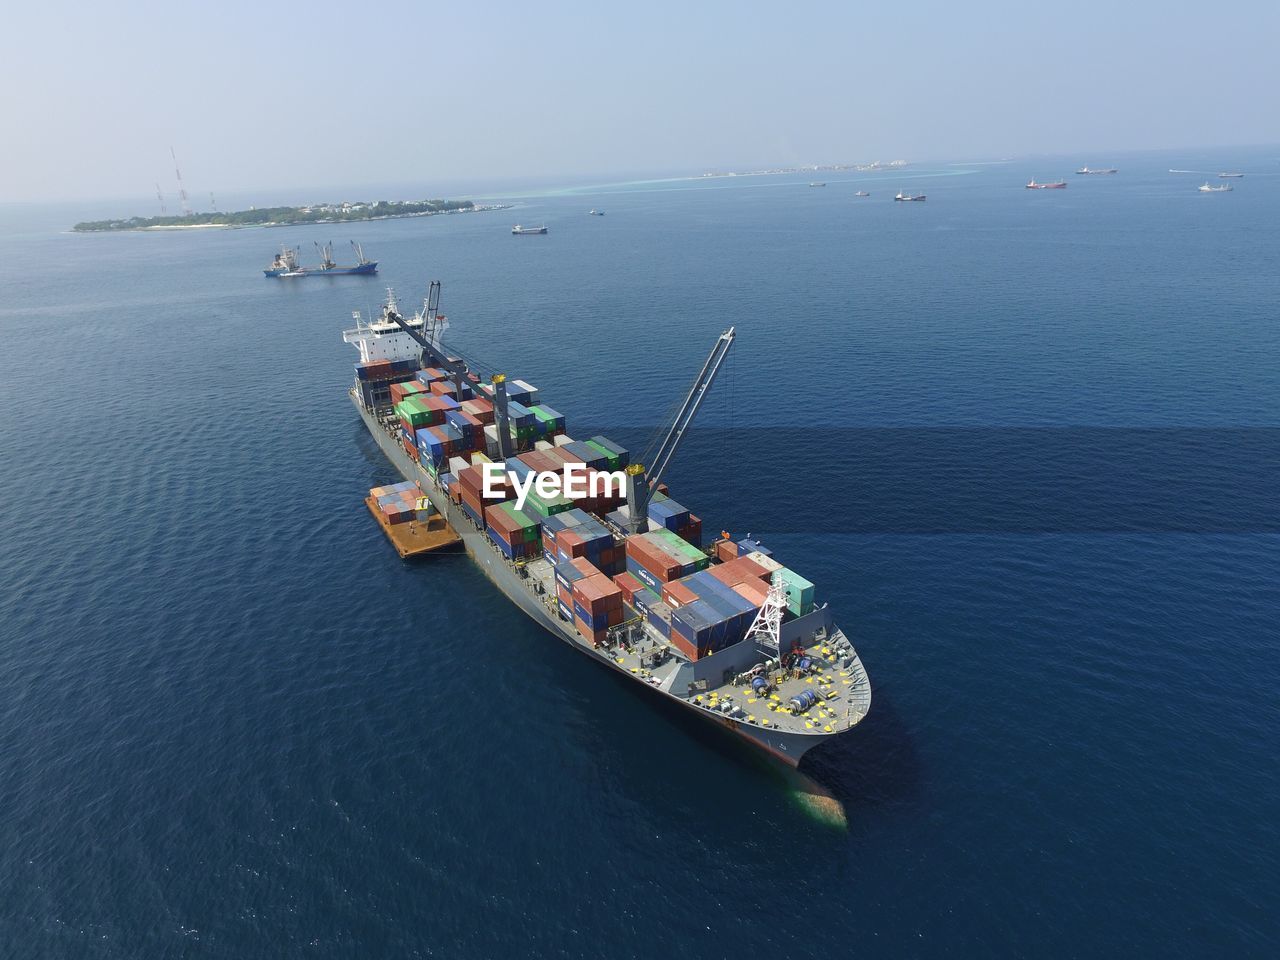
285	264
817	184
1221	188
520	231
909	196
1090	170
1231	176
1056	185
597	213
862	193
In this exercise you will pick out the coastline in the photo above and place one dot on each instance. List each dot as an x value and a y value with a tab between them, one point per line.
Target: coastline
165	228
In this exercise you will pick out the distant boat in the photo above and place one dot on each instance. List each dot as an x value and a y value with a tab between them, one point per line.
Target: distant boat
1231	176
1221	188
521	231
1171	170
817	184
862	193
909	196
1056	185
597	213
1088	170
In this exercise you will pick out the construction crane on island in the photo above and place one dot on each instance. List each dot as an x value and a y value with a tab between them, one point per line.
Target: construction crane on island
182	191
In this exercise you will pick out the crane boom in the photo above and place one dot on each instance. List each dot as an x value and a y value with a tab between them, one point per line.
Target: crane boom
640	487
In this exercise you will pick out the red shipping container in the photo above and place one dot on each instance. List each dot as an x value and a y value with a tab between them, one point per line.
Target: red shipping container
598	637
443	388
752	590
629	584
584	567
726	550
684	646
676	594
738	570
655	561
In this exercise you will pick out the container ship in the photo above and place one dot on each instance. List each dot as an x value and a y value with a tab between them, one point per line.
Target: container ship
724	631
1055	185
286	264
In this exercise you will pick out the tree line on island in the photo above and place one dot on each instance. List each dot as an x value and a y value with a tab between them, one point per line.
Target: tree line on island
259	216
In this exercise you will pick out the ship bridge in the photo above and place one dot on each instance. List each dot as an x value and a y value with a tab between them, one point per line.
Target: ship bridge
385	339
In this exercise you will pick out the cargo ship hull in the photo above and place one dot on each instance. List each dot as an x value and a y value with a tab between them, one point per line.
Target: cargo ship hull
363	270
783	745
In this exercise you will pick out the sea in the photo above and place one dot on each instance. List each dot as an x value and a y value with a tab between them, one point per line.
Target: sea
1025	443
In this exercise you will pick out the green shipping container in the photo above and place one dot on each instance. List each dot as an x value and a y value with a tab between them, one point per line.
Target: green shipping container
798	591
614	460
534	504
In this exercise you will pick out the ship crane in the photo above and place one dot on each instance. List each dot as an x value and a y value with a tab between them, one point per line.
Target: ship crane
429	340
640	486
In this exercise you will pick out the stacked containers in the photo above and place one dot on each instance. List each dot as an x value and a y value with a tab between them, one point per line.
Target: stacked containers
522	392
479	408
468	491
597	606
568	573
575	533
437	444
406	388
397	502
707	614
798	591
618	456
670	515
432	375
470	427
654	560
515	533
548	422
375	378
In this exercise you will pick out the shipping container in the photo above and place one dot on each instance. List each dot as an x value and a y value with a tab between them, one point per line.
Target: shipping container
798	591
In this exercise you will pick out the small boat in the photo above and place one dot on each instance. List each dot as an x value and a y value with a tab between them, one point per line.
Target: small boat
909	196
521	231
1056	185
1230	176
1088	170
862	193
817	184
597	213
1221	188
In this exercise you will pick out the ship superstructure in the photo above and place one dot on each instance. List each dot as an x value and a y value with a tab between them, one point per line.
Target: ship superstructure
727	632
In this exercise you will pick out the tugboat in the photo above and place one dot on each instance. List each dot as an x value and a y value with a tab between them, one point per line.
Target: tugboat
1056	185
909	196
1221	188
285	264
520	231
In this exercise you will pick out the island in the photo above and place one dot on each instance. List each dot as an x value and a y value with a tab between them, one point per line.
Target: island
289	216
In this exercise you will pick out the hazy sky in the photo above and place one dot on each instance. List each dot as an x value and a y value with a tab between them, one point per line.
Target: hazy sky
256	96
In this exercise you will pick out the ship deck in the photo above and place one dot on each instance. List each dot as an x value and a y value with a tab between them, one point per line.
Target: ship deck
838	677
638	651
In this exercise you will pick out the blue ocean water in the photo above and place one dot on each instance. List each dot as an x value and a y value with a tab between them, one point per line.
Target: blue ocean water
1024	442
